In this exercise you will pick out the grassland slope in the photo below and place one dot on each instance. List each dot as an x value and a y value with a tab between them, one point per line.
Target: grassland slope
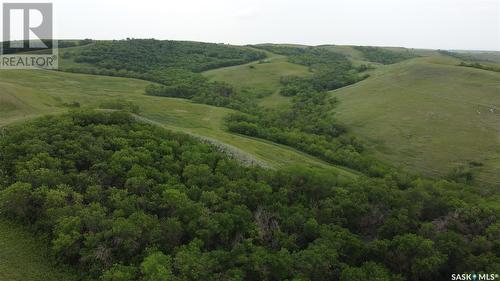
429	115
27	94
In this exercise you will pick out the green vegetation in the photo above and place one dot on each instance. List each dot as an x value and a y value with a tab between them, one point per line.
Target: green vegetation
122	200
427	115
409	114
412	142
119	104
23	258
474	56
260	79
148	55
480	66
308	123
175	65
384	56
120	194
309	126
212	93
456	55
26	94
490	56
354	55
331	70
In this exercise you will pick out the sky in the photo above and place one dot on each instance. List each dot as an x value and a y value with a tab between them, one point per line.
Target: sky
432	24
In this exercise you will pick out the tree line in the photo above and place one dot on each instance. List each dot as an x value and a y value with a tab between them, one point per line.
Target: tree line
147	55
309	125
384	56
479	66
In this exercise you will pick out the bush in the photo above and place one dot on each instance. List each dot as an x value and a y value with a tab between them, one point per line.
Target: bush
384	56
120	104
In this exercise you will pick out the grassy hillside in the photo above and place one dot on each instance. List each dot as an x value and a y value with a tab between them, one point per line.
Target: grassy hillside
287	69
257	78
260	78
410	112
26	94
357	57
22	258
429	115
426	114
482	56
354	55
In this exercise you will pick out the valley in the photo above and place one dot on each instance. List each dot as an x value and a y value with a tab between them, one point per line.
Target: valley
143	160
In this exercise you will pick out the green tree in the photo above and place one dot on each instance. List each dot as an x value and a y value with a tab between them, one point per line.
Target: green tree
16	201
368	271
157	267
415	257
120	273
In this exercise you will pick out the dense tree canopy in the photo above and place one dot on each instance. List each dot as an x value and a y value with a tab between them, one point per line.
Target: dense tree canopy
122	200
384	56
174	65
147	55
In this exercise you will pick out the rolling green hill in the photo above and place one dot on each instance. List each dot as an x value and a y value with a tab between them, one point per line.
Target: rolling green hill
27	94
429	115
260	78
430	98
425	114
